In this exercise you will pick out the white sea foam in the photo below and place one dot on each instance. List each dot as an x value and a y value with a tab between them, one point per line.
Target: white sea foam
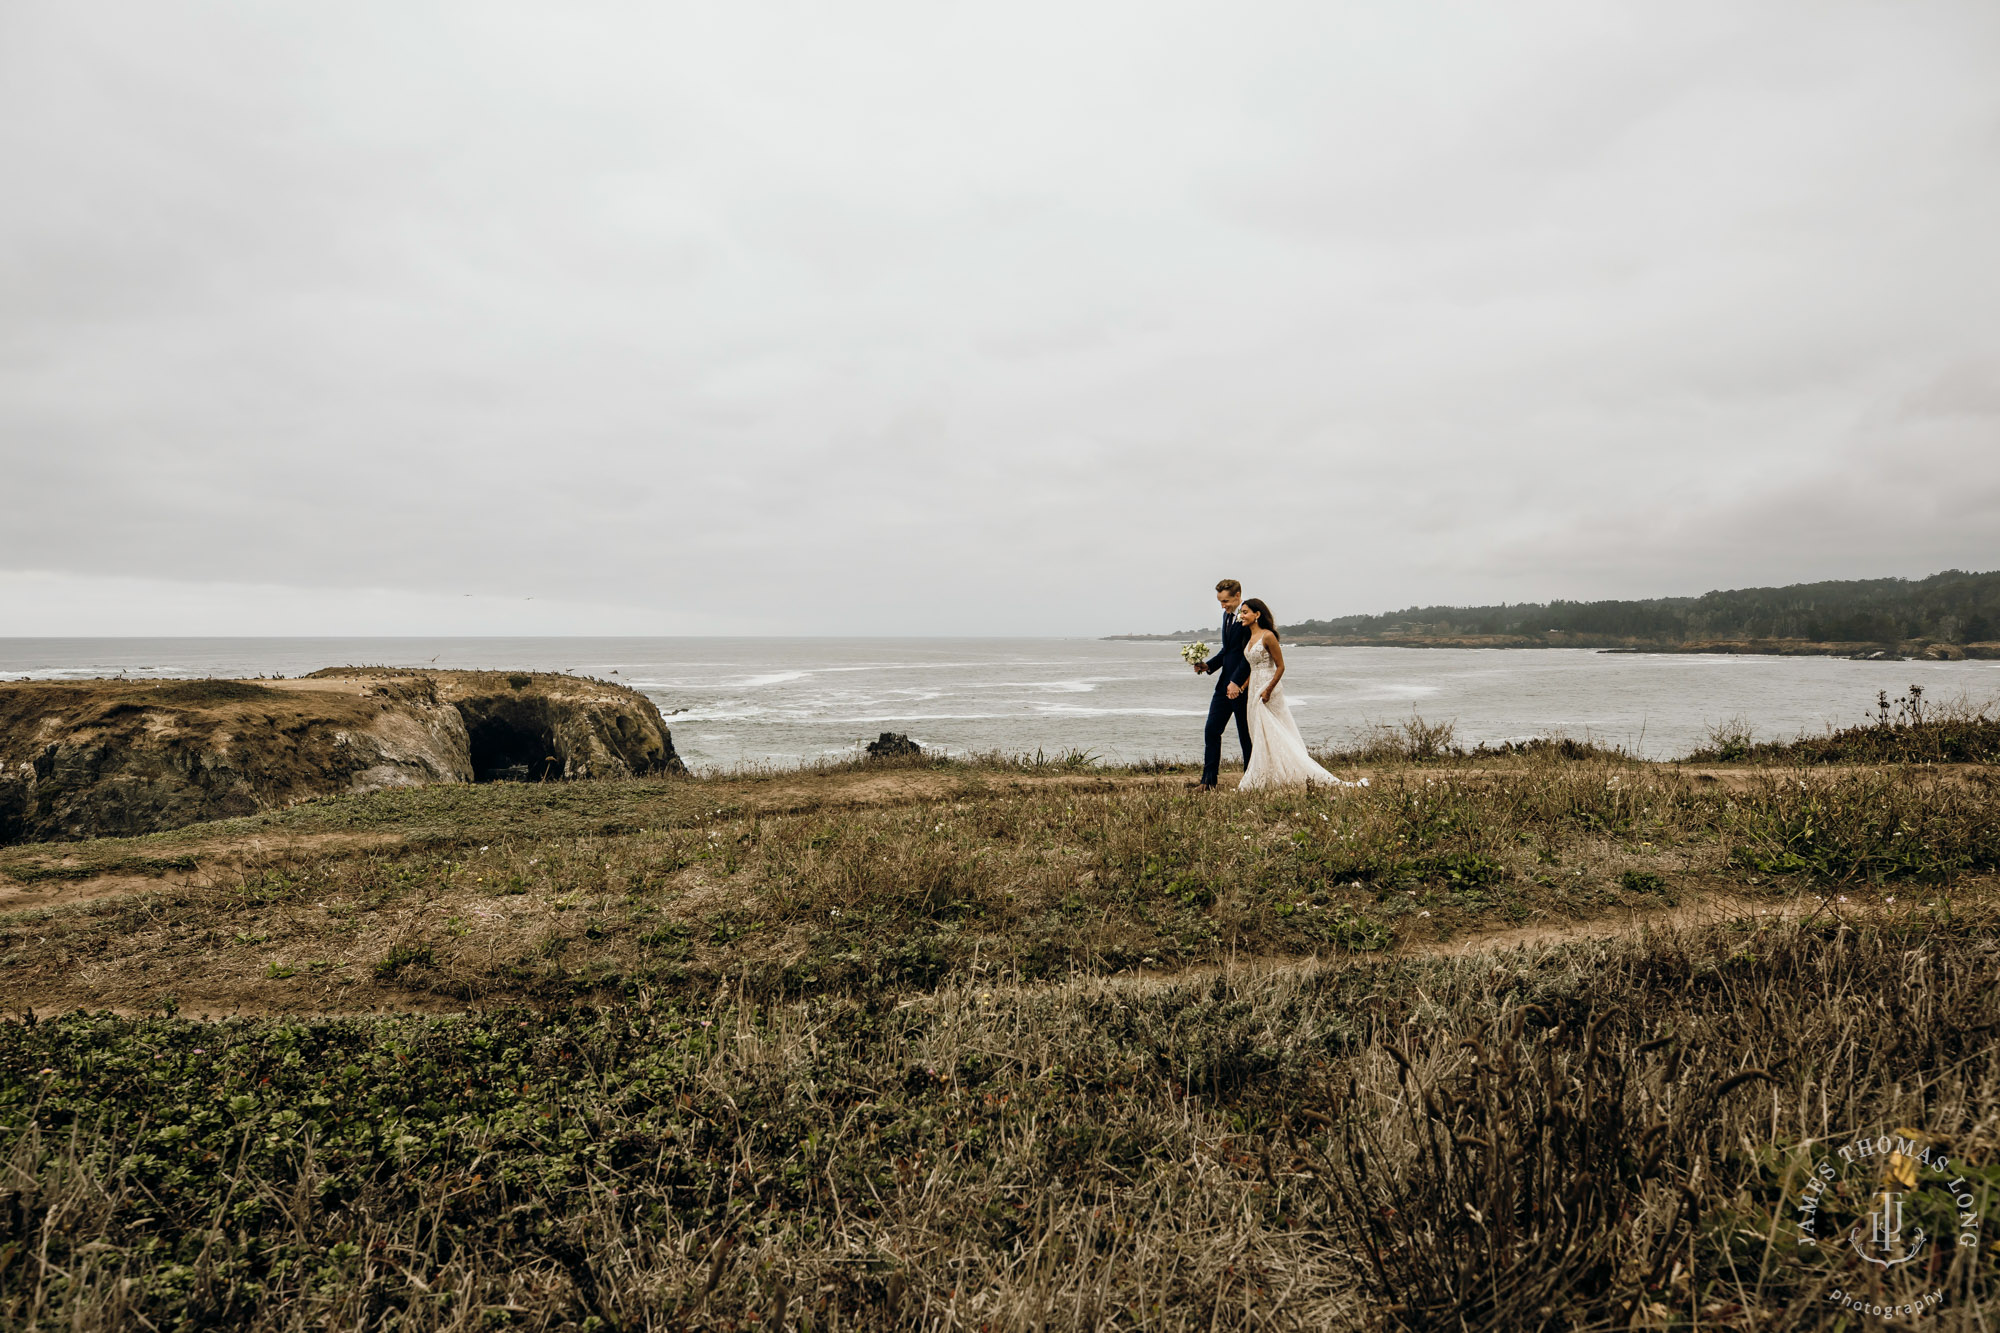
1403	689
104	672
773	678
732	711
735	701
876	719
1072	710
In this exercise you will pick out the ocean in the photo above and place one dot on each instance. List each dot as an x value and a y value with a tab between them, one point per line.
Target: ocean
775	701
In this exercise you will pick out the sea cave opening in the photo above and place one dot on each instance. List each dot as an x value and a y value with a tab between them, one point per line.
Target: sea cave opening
510	749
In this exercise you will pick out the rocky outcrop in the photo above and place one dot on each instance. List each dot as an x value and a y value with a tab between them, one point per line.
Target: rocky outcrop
552	726
893	745
117	757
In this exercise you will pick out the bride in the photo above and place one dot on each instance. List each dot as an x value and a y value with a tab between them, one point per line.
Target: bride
1278	755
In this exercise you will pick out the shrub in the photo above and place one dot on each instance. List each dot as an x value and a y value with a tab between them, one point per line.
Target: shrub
1907	730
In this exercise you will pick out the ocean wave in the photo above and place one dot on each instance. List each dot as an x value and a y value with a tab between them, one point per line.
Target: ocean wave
1079	685
102	673
770	678
1395	690
720	713
873	718
1072	710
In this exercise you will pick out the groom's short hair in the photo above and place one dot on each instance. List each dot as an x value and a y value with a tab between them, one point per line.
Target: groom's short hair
1229	585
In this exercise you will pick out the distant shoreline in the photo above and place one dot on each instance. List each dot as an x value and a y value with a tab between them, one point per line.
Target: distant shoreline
1913	650
1947	617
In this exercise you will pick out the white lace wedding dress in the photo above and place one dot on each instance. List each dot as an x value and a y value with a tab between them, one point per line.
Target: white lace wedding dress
1278	755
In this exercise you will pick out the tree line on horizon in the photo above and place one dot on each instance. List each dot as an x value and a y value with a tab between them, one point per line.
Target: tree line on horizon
1952	607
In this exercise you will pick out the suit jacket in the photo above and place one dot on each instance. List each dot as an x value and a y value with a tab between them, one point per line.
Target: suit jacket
1229	665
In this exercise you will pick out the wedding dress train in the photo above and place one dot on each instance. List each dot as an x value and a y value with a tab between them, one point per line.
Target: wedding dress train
1278	755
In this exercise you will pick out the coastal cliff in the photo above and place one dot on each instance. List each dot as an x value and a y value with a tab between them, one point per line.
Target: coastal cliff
123	757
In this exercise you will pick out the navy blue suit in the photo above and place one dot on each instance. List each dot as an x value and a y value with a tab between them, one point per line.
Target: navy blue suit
1229	667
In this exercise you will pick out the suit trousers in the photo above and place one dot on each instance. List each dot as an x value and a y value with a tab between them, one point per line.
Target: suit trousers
1220	709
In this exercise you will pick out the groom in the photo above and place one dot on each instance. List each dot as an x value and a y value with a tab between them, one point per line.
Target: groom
1230	699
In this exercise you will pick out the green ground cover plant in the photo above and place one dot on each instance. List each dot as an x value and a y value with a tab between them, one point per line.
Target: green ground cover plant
1563	1137
502	893
999	1044
1911	729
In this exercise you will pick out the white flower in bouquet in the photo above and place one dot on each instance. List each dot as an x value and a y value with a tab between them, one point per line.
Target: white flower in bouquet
1195	653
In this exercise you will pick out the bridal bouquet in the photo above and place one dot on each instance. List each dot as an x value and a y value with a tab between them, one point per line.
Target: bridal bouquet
1194	654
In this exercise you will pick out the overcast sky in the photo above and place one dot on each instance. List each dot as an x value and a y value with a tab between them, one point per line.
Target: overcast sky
1009	318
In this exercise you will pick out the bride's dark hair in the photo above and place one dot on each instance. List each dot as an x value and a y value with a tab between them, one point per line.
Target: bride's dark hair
1265	620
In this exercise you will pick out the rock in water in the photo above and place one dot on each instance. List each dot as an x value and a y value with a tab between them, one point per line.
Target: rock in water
892	743
102	758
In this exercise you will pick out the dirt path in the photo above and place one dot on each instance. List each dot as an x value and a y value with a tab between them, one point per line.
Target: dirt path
1706	910
62	959
874	790
60	874
910	786
64	893
61	880
47	874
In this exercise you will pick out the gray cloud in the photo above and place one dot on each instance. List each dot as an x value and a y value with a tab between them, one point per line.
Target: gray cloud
906	318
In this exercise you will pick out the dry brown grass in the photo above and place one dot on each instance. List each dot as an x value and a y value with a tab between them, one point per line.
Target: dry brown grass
863	880
1552	1138
944	1046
